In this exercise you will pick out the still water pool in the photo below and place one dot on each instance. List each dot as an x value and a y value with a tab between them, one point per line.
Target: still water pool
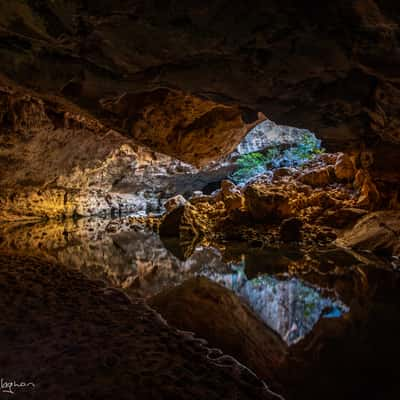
315	323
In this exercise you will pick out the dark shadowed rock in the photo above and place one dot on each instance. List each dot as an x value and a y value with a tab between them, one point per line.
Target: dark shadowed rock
378	231
171	222
215	65
342	217
291	230
216	314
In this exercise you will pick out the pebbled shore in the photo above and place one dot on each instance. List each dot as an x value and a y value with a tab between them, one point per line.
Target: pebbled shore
76	339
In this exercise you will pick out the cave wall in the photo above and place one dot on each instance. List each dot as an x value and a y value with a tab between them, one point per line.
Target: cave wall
60	164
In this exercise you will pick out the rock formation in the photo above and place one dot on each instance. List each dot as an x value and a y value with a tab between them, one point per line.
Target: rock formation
183	76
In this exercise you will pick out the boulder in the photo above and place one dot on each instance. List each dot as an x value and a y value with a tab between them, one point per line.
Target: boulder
342	217
344	168
231	196
185	222
175	202
291	230
282	172
321	199
378	232
318	177
267	203
369	194
171	222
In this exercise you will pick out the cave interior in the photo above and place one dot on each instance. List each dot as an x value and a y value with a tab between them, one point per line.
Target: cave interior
200	200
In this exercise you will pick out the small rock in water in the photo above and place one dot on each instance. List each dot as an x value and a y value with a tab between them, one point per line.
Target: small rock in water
175	202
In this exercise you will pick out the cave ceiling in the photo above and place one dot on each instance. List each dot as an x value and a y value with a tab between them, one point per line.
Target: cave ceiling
190	78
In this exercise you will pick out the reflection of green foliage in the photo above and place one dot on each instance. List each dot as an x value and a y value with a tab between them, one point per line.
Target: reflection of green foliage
249	165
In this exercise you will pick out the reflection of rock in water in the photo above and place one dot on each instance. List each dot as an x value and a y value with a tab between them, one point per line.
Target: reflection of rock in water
137	261
216	314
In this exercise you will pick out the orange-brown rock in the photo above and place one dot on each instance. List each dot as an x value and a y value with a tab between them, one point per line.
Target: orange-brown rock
174	202
369	194
318	177
231	196
344	168
269	204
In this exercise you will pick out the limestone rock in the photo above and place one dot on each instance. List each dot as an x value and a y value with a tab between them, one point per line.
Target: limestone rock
231	196
171	222
378	231
359	178
267	203
175	202
344	168
369	195
267	134
318	177
223	64
185	222
282	172
342	217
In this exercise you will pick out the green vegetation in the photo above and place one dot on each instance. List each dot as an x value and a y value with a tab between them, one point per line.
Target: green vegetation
308	147
252	164
248	166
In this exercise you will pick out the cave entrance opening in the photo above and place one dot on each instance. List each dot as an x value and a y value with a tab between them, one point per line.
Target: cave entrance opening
266	148
269	146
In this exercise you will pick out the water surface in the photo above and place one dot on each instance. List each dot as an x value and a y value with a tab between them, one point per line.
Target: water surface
337	312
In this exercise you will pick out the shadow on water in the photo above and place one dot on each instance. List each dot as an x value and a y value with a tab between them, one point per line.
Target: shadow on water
315	324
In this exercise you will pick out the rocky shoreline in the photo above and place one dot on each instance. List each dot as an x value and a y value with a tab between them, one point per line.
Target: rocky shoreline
331	197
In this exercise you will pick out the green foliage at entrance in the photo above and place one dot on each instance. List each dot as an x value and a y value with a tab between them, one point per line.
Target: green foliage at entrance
252	164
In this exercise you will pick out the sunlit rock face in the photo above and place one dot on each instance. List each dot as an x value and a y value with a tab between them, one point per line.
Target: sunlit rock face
190	128
267	134
60	164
